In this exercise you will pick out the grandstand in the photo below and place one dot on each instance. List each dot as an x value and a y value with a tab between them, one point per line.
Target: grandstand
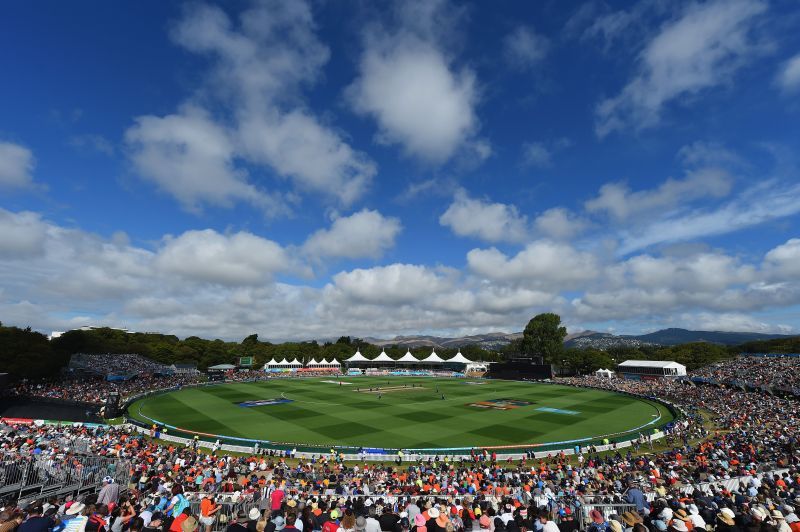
116	367
747	471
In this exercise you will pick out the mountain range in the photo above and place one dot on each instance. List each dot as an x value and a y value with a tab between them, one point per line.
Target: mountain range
584	339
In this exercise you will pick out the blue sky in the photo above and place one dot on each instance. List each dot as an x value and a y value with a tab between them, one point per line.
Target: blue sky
311	169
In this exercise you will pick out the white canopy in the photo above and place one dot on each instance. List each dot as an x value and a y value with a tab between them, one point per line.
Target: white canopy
311	363
295	362
408	357
433	358
383	357
272	363
283	362
461	359
605	373
324	363
358	357
334	362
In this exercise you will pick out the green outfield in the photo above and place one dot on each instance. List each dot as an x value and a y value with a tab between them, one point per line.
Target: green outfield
402	412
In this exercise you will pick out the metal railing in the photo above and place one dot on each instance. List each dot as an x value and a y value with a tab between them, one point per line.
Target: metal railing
34	477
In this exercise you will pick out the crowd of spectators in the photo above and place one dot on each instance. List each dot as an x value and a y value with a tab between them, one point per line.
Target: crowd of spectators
95	390
116	364
781	372
726	434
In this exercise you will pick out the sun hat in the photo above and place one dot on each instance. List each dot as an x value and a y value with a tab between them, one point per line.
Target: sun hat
614	526
334	514
631	518
361	523
682	515
680	526
596	516
368	503
777	514
433	513
108	479
484	521
419	520
726	515
75	508
666	514
758	513
189	524
254	514
291	503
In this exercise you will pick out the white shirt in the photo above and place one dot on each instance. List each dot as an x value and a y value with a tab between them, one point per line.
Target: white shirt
550	527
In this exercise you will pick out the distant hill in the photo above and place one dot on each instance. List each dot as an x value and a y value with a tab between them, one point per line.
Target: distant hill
682	336
492	341
584	339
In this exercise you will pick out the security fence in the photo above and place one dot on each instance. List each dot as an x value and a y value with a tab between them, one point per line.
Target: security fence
25	478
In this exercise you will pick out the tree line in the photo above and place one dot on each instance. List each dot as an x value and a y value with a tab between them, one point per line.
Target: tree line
28	354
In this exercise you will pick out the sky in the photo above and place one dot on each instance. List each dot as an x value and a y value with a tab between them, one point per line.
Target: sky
310	169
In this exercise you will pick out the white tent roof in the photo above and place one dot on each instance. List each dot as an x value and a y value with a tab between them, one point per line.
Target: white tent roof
324	362
313	362
283	362
272	363
460	358
334	362
358	357
651	364
383	357
408	357
433	358
295	362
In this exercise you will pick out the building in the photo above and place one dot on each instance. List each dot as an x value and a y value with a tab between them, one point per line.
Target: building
184	369
650	369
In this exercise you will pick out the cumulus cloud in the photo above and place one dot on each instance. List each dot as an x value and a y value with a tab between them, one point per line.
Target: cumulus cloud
789	75
395	284
492	222
541	263
524	48
230	285
559	223
702	48
22	234
259	68
16	166
190	157
208	256
366	233
408	84
783	262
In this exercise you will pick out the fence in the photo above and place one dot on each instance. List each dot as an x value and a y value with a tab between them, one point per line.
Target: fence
28	478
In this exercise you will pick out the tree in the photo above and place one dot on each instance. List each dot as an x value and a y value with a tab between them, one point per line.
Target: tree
544	337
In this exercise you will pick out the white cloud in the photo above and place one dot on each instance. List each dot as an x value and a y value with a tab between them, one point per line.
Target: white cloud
207	256
89	141
524	48
731	321
783	262
16	166
542	263
366	233
767	201
395	284
701	49
789	75
492	222
617	200
192	158
259	68
295	144
559	223
22	235
417	100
